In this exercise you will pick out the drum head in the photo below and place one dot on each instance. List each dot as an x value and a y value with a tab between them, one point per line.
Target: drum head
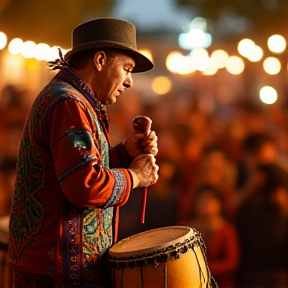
151	240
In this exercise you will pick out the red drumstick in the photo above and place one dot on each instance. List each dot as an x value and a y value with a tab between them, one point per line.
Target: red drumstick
143	124
144	200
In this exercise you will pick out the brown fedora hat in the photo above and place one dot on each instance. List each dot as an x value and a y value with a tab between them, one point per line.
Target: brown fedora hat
109	33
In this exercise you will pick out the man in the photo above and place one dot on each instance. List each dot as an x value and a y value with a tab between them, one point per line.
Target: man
70	182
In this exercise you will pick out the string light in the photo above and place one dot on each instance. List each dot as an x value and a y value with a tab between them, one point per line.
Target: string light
3	40
175	61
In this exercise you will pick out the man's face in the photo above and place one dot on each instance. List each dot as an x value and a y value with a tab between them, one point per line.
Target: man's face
115	77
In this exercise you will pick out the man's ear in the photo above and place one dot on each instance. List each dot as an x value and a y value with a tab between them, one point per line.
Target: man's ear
100	60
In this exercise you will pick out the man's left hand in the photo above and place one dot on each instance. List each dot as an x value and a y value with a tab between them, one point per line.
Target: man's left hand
141	143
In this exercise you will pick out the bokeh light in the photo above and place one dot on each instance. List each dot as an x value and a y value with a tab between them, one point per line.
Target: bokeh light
245	46
41	51
173	61
3	40
272	65
211	68
268	95
28	49
15	46
255	54
195	38
276	43
199	53
161	85
220	58
146	53
200	58
235	65
53	53
179	64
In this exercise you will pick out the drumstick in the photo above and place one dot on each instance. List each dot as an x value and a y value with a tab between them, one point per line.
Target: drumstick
143	124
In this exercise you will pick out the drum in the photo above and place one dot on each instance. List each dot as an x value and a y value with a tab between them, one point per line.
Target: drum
168	257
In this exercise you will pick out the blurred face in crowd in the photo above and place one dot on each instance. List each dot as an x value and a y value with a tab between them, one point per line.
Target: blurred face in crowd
207	205
114	75
280	199
267	153
214	168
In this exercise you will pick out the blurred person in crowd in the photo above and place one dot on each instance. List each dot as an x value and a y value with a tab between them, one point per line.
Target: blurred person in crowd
7	181
216	169
192	157
11	135
250	115
262	223
246	117
258	148
13	113
12	99
70	182
219	235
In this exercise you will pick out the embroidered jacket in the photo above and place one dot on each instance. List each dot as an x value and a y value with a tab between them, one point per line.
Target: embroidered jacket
63	216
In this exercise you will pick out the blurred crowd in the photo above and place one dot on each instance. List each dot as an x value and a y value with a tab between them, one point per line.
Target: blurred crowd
224	173
13	112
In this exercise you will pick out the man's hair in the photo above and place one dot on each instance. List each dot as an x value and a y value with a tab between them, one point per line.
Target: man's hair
81	59
253	142
208	188
275	176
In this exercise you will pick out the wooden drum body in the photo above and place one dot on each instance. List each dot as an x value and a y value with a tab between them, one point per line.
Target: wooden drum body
169	257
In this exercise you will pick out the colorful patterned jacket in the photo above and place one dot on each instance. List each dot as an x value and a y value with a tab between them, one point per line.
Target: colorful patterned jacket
63	217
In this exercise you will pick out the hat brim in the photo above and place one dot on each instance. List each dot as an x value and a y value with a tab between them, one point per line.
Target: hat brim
142	63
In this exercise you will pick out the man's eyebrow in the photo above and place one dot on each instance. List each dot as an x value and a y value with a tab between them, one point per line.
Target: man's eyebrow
130	64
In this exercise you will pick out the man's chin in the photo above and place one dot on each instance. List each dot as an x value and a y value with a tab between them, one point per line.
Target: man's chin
111	101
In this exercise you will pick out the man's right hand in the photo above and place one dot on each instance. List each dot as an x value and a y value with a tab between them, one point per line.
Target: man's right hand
144	170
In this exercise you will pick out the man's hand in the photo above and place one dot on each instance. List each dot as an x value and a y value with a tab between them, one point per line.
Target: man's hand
142	139
144	170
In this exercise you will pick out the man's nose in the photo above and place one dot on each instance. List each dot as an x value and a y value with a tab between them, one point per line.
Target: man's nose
128	81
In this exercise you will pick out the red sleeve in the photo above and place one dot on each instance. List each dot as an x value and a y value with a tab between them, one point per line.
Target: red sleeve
78	161
230	244
119	157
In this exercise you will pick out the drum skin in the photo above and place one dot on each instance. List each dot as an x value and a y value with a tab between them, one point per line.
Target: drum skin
147	260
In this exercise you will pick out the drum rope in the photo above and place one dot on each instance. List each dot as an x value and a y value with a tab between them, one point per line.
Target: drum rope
112	276
201	274
165	275
122	278
142	277
203	250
